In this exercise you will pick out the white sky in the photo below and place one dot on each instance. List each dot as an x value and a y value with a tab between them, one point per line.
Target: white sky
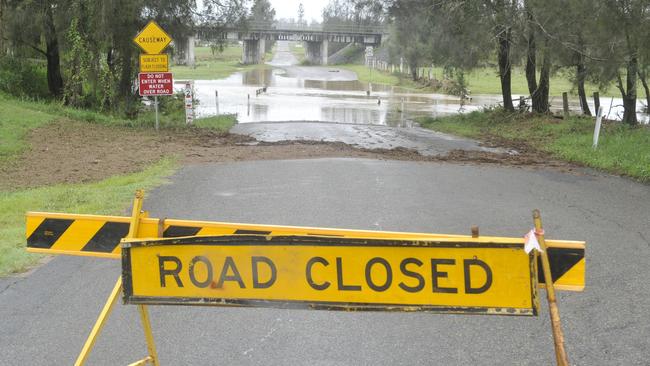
289	8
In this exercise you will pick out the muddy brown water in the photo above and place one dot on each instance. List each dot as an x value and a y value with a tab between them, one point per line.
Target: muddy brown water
331	94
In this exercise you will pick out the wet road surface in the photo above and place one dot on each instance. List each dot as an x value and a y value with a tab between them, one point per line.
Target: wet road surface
46	315
426	142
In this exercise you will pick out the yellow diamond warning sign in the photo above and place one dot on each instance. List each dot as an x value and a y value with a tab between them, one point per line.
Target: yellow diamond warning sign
152	39
154	63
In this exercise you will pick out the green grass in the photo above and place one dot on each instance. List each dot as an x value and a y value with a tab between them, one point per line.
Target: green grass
221	123
364	74
621	149
17	117
485	81
110	196
16	120
219	65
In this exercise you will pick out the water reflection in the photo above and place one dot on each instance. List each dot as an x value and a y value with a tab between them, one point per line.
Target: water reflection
328	94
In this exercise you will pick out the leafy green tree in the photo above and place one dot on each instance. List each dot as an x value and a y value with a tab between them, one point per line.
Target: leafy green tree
262	12
38	26
623	27
410	32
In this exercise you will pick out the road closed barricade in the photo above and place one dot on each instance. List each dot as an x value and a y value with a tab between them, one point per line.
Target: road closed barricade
182	262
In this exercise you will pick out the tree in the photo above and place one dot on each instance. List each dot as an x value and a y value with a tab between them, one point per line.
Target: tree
644	63
38	25
574	42
3	5
623	25
502	14
354	12
301	14
538	18
262	12
410	32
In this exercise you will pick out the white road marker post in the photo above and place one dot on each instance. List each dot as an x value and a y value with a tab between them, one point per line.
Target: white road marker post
599	117
216	98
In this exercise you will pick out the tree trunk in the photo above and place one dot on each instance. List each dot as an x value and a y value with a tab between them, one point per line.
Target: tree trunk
581	74
54	78
126	85
414	71
531	60
505	68
629	97
2	27
540	102
644	81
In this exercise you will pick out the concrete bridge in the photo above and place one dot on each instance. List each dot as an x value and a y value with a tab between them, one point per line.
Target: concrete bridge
316	39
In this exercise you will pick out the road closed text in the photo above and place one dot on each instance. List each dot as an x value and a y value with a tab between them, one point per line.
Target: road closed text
431	277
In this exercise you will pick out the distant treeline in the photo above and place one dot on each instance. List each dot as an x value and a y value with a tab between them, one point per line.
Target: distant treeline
603	41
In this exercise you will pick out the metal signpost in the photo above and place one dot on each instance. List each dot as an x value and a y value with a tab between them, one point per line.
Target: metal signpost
154	80
155	84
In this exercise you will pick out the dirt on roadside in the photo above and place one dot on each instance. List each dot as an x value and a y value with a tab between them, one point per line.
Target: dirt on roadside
75	152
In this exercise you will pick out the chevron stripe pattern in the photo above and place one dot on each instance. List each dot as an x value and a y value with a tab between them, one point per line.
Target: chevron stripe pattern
100	236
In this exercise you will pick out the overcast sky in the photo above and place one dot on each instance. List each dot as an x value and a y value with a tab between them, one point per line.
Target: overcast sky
289	8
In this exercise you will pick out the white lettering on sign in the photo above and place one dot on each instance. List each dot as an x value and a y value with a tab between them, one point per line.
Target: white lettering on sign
156	83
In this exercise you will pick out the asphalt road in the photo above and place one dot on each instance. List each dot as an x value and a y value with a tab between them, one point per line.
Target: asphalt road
46	315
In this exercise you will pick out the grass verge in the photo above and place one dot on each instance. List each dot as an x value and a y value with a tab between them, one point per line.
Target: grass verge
109	196
621	149
16	120
221	123
484	80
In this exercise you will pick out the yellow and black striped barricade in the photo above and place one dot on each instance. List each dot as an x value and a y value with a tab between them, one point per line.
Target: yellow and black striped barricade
166	261
99	236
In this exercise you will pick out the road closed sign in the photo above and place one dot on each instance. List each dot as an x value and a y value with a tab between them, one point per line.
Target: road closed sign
451	275
156	83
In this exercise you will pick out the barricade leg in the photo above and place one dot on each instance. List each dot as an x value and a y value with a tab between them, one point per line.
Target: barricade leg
99	324
148	335
558	337
152	358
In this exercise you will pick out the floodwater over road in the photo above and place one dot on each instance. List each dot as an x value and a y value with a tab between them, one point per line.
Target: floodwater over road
331	94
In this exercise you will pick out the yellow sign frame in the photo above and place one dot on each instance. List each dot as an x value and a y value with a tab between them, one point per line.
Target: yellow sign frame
467	276
152	39
152	63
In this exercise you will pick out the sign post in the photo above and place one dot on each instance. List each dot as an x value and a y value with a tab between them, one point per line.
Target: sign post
154	78
155	84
